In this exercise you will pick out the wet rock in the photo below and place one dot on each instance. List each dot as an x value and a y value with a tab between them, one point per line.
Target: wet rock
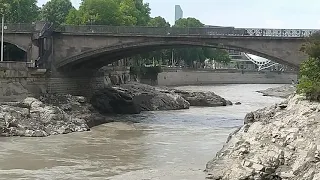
277	142
110	100
207	99
151	98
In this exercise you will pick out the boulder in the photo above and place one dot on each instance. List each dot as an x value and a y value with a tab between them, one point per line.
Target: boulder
208	99
150	98
110	100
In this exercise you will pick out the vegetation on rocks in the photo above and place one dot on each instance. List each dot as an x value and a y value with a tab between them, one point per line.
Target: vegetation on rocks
309	83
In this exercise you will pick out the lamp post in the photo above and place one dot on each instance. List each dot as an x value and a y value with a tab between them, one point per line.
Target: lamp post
2	28
3	9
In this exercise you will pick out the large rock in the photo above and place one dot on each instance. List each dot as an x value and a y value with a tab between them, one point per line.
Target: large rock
110	100
77	107
151	98
33	118
278	142
208	99
282	91
133	98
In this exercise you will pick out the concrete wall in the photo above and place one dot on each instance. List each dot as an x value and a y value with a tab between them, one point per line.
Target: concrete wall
209	77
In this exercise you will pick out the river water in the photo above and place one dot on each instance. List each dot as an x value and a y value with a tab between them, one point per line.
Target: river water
168	145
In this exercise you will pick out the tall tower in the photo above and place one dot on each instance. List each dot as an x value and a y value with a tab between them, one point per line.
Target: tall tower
178	13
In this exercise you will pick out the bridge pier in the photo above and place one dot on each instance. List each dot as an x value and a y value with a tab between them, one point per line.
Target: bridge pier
85	82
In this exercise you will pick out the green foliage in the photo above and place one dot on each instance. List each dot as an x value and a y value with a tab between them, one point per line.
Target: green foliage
73	17
158	22
312	46
188	22
110	12
150	72
309	82
143	12
56	11
19	11
101	12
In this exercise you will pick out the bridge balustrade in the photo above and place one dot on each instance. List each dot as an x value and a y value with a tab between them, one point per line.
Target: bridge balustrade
19	27
135	30
201	31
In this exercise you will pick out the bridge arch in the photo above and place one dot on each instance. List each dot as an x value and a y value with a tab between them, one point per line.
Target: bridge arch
96	58
9	41
13	51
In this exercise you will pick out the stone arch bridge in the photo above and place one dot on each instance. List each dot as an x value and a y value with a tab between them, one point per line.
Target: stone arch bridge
73	53
95	47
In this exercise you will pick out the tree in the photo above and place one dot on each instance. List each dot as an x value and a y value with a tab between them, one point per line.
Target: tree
158	22
101	12
309	82
73	17
56	11
111	12
188	22
21	11
129	13
143	15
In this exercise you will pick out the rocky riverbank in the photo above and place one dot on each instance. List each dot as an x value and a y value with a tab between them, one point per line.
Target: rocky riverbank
48	115
62	114
278	142
282	91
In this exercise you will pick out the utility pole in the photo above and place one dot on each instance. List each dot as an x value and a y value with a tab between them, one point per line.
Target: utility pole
172	60
3	9
2	29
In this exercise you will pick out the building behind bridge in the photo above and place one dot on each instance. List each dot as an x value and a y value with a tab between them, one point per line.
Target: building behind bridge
178	13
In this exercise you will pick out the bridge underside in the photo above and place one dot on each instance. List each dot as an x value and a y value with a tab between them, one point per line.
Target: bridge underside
282	51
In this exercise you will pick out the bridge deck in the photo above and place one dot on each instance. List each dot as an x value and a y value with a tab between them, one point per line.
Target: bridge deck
165	31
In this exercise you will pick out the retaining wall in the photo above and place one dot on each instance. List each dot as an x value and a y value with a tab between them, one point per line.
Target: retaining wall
178	78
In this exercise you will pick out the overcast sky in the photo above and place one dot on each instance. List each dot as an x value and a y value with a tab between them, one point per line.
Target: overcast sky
241	13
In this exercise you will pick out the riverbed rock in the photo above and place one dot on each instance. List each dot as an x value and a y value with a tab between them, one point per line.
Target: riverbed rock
33	118
77	107
110	100
282	91
132	98
277	142
150	98
207	99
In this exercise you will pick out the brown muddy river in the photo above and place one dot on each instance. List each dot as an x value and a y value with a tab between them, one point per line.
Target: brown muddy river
168	145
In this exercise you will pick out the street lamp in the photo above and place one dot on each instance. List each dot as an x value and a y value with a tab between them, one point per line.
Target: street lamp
3	8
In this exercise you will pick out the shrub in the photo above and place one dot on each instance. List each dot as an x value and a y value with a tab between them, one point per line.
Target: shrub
309	82
146	72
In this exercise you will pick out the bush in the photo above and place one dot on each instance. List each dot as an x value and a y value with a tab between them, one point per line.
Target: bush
146	72
309	82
